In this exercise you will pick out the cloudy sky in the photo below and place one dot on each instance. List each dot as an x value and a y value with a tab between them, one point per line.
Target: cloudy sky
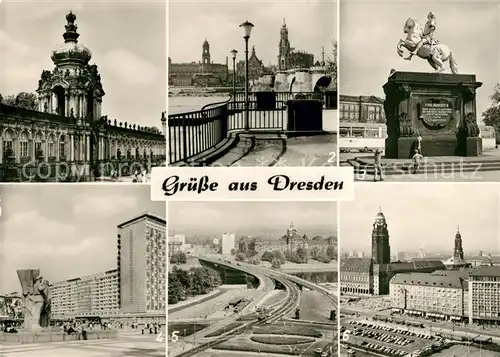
127	41
370	31
65	230
311	25
424	216
252	218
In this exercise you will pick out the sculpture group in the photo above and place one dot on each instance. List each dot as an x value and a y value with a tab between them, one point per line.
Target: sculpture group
35	298
421	42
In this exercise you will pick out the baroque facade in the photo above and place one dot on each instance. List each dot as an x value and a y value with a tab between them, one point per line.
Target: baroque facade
292	240
201	74
67	137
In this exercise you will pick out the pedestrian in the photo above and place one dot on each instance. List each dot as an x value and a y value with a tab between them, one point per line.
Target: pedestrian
377	158
416	159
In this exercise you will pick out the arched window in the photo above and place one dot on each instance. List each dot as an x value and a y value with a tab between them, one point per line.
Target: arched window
38	145
8	143
51	146
62	148
23	144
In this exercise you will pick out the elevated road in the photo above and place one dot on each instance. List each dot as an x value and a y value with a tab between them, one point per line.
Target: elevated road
287	307
273	273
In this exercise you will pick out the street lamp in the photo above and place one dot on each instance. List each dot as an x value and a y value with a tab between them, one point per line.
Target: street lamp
247	27
234	53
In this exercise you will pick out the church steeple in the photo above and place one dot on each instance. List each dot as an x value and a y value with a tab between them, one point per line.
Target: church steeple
284	49
458	251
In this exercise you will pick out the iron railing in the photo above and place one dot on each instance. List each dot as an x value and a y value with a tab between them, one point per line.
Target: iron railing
193	133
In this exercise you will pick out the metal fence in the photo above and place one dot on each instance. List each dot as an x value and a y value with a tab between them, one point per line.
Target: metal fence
193	133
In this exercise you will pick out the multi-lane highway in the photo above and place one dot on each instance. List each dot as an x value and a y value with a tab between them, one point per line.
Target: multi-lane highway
267	278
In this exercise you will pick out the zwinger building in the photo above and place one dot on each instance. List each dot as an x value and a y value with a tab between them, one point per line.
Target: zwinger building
68	136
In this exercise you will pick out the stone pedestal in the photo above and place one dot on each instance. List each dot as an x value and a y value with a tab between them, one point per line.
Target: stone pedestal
439	108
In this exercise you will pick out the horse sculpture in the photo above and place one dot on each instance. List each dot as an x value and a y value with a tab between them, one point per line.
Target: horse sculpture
435	53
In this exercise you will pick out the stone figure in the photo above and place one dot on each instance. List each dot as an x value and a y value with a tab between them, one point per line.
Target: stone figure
35	299
421	42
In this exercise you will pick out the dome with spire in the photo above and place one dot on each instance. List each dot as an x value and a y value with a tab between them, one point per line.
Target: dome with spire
71	52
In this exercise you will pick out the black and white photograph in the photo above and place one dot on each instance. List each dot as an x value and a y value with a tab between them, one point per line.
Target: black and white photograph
420	90
252	83
82	275
420	270
83	91
252	279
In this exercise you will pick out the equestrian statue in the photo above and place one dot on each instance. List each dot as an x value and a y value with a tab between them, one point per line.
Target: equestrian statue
421	42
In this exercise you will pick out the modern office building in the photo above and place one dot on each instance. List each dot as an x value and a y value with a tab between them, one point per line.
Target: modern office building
484	295
442	294
92	295
142	264
135	290
228	243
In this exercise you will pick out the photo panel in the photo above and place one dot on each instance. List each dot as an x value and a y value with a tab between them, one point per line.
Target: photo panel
252	278
83	271
419	93
420	274
252	83
83	93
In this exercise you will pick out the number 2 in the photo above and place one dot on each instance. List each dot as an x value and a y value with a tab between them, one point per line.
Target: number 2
332	155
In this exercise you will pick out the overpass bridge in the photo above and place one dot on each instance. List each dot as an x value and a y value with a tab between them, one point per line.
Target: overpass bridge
273	273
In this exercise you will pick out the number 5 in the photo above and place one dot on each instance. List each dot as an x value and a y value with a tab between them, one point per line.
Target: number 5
332	156
174	338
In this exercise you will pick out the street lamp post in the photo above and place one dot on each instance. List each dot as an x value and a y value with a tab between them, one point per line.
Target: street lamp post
247	26
234	53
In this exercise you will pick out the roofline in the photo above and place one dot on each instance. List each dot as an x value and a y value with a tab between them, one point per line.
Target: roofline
144	215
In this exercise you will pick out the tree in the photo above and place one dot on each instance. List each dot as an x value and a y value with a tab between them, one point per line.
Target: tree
301	252
242	245
267	257
22	100
331	67
178	258
240	257
491	116
275	264
331	253
315	252
233	251
278	254
323	258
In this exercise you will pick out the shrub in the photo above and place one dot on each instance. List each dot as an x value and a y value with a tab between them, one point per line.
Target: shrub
287	330
284	340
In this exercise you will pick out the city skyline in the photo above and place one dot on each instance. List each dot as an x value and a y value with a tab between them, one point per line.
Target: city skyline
132	63
215	218
186	37
423	217
65	231
366	57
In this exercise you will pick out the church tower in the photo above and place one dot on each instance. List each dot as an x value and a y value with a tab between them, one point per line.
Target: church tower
284	49
381	250
458	251
73	89
205	56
